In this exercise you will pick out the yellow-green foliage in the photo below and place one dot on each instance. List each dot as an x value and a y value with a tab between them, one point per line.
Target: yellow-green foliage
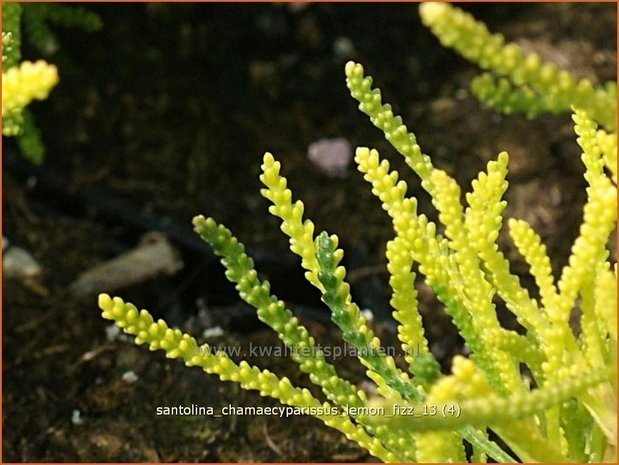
563	409
24	82
11	34
517	81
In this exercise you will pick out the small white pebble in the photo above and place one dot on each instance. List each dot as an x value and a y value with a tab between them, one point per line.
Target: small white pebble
331	156
297	7
89	355
344	48
76	417
368	387
130	376
18	263
112	332
367	314
215	331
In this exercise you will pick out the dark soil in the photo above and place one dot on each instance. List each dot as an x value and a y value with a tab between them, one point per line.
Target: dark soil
165	114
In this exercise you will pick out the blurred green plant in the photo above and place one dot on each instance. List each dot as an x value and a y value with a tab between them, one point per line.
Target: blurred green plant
37	18
517	81
24	82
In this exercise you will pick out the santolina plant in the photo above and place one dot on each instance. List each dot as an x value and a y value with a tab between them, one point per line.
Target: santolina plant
23	82
563	409
513	80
